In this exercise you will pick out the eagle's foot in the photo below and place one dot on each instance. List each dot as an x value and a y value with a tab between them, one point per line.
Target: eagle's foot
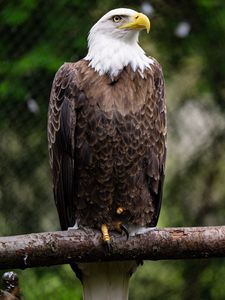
106	237
120	227
120	210
105	233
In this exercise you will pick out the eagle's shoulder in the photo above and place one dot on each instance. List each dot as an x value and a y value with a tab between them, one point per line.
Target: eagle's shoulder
69	71
154	69
65	97
155	72
68	82
155	64
80	66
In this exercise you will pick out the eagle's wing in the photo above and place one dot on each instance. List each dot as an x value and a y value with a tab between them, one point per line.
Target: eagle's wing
157	141
61	131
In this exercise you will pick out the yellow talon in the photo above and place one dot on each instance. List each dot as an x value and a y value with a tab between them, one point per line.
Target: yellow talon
105	233
119	210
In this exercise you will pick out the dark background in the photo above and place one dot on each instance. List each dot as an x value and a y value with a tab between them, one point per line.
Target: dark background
188	38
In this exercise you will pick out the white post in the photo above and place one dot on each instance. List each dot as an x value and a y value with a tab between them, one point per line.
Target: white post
107	280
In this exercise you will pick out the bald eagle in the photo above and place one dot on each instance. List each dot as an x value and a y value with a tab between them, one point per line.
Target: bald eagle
107	130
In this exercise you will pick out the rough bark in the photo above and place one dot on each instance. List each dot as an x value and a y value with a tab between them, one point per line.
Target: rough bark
85	245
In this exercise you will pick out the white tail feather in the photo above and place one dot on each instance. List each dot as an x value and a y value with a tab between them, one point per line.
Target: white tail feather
107	280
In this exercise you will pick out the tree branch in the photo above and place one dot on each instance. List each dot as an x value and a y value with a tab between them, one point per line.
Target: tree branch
53	248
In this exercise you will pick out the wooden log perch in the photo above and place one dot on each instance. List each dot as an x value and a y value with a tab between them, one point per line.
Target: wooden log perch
85	245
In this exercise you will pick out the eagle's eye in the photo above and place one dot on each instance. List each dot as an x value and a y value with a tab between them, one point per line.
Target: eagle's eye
117	19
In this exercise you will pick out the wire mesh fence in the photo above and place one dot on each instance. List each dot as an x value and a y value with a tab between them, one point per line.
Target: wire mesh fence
36	38
187	37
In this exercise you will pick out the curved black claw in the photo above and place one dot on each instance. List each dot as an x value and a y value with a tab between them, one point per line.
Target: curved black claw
124	229
108	247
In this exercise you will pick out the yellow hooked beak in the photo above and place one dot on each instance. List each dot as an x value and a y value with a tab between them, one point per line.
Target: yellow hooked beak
140	21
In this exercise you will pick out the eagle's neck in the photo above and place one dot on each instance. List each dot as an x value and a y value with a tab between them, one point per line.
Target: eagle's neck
108	55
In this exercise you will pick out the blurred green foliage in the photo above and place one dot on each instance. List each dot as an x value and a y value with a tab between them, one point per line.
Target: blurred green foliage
188	38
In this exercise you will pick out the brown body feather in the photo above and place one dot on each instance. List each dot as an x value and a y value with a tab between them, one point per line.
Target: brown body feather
107	145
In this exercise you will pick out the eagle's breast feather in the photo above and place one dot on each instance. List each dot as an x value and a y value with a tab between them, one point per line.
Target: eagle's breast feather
107	144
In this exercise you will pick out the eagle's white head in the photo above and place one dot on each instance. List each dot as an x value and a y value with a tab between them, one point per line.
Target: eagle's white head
113	42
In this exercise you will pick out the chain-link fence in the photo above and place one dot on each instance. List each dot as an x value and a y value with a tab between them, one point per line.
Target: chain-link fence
187	37
36	38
